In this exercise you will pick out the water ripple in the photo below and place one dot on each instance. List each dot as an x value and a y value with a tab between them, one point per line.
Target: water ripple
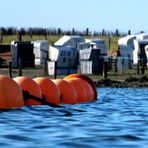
119	118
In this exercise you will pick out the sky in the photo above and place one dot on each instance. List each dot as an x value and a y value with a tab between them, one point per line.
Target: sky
96	15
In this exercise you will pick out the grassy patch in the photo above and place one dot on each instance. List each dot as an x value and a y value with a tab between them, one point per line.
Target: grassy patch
112	44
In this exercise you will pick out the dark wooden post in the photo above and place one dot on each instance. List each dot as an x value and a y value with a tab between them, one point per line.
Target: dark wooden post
143	67
109	41
87	31
10	69
45	34
55	69
45	66
116	69
1	37
20	66
129	32
73	31
105	63
46	63
19	36
30	33
138	65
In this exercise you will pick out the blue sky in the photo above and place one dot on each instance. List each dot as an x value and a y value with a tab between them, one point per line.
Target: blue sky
79	14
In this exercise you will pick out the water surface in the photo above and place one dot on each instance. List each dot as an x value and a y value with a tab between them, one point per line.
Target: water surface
119	118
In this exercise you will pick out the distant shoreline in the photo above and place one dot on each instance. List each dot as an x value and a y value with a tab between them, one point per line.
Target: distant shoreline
130	82
116	82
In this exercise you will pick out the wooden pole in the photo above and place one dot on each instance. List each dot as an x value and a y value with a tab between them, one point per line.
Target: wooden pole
10	69
1	36
116	69
138	71
105	69
138	64
143	67
45	34
46	62
109	41
45	66
55	69
19	35
20	67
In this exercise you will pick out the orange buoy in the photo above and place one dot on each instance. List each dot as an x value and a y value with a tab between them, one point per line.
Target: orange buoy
10	93
49	90
87	87
32	87
87	79
80	89
67	91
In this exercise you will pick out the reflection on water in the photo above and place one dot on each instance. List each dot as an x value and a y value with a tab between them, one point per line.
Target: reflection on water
119	118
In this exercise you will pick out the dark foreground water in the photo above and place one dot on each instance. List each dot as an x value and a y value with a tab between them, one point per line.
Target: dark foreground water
119	118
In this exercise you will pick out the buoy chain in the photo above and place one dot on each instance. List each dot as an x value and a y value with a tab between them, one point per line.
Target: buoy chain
42	100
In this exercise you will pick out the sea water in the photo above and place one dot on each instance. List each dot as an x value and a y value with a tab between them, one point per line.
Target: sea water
118	118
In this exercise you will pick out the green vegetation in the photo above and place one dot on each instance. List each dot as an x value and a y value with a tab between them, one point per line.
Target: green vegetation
7	39
52	35
111	41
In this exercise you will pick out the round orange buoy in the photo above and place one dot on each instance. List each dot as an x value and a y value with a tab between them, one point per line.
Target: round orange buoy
67	91
87	79
87	87
31	86
10	93
80	90
49	90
